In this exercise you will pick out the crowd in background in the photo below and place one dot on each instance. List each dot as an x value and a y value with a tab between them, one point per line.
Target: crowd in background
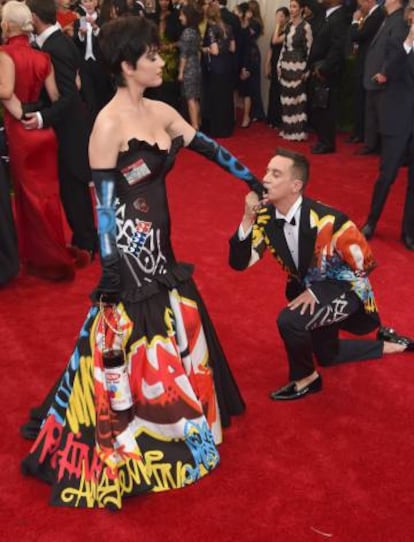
212	74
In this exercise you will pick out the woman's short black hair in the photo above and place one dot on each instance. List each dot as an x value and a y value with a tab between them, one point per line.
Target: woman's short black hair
126	39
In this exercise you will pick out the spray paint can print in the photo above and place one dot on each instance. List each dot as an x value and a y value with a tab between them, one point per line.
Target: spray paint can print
117	380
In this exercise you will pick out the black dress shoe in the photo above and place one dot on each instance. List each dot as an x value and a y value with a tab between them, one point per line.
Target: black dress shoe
321	148
289	392
368	230
390	335
408	242
363	151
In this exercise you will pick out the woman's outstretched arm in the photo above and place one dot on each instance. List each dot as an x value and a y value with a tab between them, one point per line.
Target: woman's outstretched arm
204	145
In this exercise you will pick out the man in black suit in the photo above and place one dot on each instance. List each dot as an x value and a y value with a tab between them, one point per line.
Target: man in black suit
365	24
69	119
393	72
327	62
379	57
327	261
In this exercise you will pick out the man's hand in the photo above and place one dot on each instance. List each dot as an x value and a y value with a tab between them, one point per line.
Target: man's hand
251	205
244	74
305	300
379	78
30	121
317	73
357	16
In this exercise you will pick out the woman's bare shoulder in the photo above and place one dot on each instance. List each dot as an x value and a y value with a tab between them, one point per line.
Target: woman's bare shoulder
160	109
106	139
107	119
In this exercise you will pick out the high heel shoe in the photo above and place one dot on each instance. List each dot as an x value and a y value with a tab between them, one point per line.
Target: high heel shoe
245	124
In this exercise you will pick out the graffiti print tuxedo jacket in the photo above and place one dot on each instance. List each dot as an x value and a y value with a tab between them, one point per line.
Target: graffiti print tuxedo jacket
334	257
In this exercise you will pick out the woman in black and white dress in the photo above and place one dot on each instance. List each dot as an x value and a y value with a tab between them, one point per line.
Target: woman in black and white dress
292	73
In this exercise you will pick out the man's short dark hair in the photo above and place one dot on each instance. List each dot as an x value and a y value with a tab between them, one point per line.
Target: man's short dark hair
44	9
300	166
126	39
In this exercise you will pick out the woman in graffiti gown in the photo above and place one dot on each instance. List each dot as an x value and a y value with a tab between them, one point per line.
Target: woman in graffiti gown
182	388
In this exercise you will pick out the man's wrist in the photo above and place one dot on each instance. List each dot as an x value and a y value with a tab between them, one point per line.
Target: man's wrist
244	231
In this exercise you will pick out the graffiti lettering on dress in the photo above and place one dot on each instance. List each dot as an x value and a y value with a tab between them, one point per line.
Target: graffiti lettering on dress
200	441
149	257
60	404
49	438
74	460
81	410
152	259
152	474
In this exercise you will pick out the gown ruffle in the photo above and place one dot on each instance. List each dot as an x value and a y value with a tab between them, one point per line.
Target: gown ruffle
182	387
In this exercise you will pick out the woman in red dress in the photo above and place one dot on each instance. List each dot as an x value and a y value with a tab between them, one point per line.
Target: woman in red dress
33	153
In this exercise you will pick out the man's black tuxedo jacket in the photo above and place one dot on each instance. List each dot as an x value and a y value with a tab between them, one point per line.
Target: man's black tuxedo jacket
364	34
385	49
328	48
68	115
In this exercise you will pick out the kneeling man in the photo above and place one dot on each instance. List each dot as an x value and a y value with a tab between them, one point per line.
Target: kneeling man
327	260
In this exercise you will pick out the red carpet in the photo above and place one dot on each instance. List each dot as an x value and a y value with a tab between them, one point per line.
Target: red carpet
335	466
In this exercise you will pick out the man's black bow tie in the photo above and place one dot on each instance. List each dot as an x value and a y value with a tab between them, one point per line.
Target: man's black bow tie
280	222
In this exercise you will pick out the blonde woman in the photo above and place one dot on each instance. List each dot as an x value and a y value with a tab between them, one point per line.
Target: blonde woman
33	153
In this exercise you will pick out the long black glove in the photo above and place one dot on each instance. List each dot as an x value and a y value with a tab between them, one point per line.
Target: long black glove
108	289
215	152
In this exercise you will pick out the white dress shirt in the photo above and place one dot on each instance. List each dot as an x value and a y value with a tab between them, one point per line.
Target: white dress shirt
41	38
291	231
89	31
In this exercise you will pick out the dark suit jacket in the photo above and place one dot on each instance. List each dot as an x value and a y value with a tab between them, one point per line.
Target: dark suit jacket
396	99
385	50
328	48
66	62
327	241
364	34
68	115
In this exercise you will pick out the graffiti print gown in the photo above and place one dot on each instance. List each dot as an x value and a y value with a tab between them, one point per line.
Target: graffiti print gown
182	388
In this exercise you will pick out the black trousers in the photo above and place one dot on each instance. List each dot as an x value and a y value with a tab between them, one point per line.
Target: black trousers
393	151
77	203
358	129
324	120
372	112
306	337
